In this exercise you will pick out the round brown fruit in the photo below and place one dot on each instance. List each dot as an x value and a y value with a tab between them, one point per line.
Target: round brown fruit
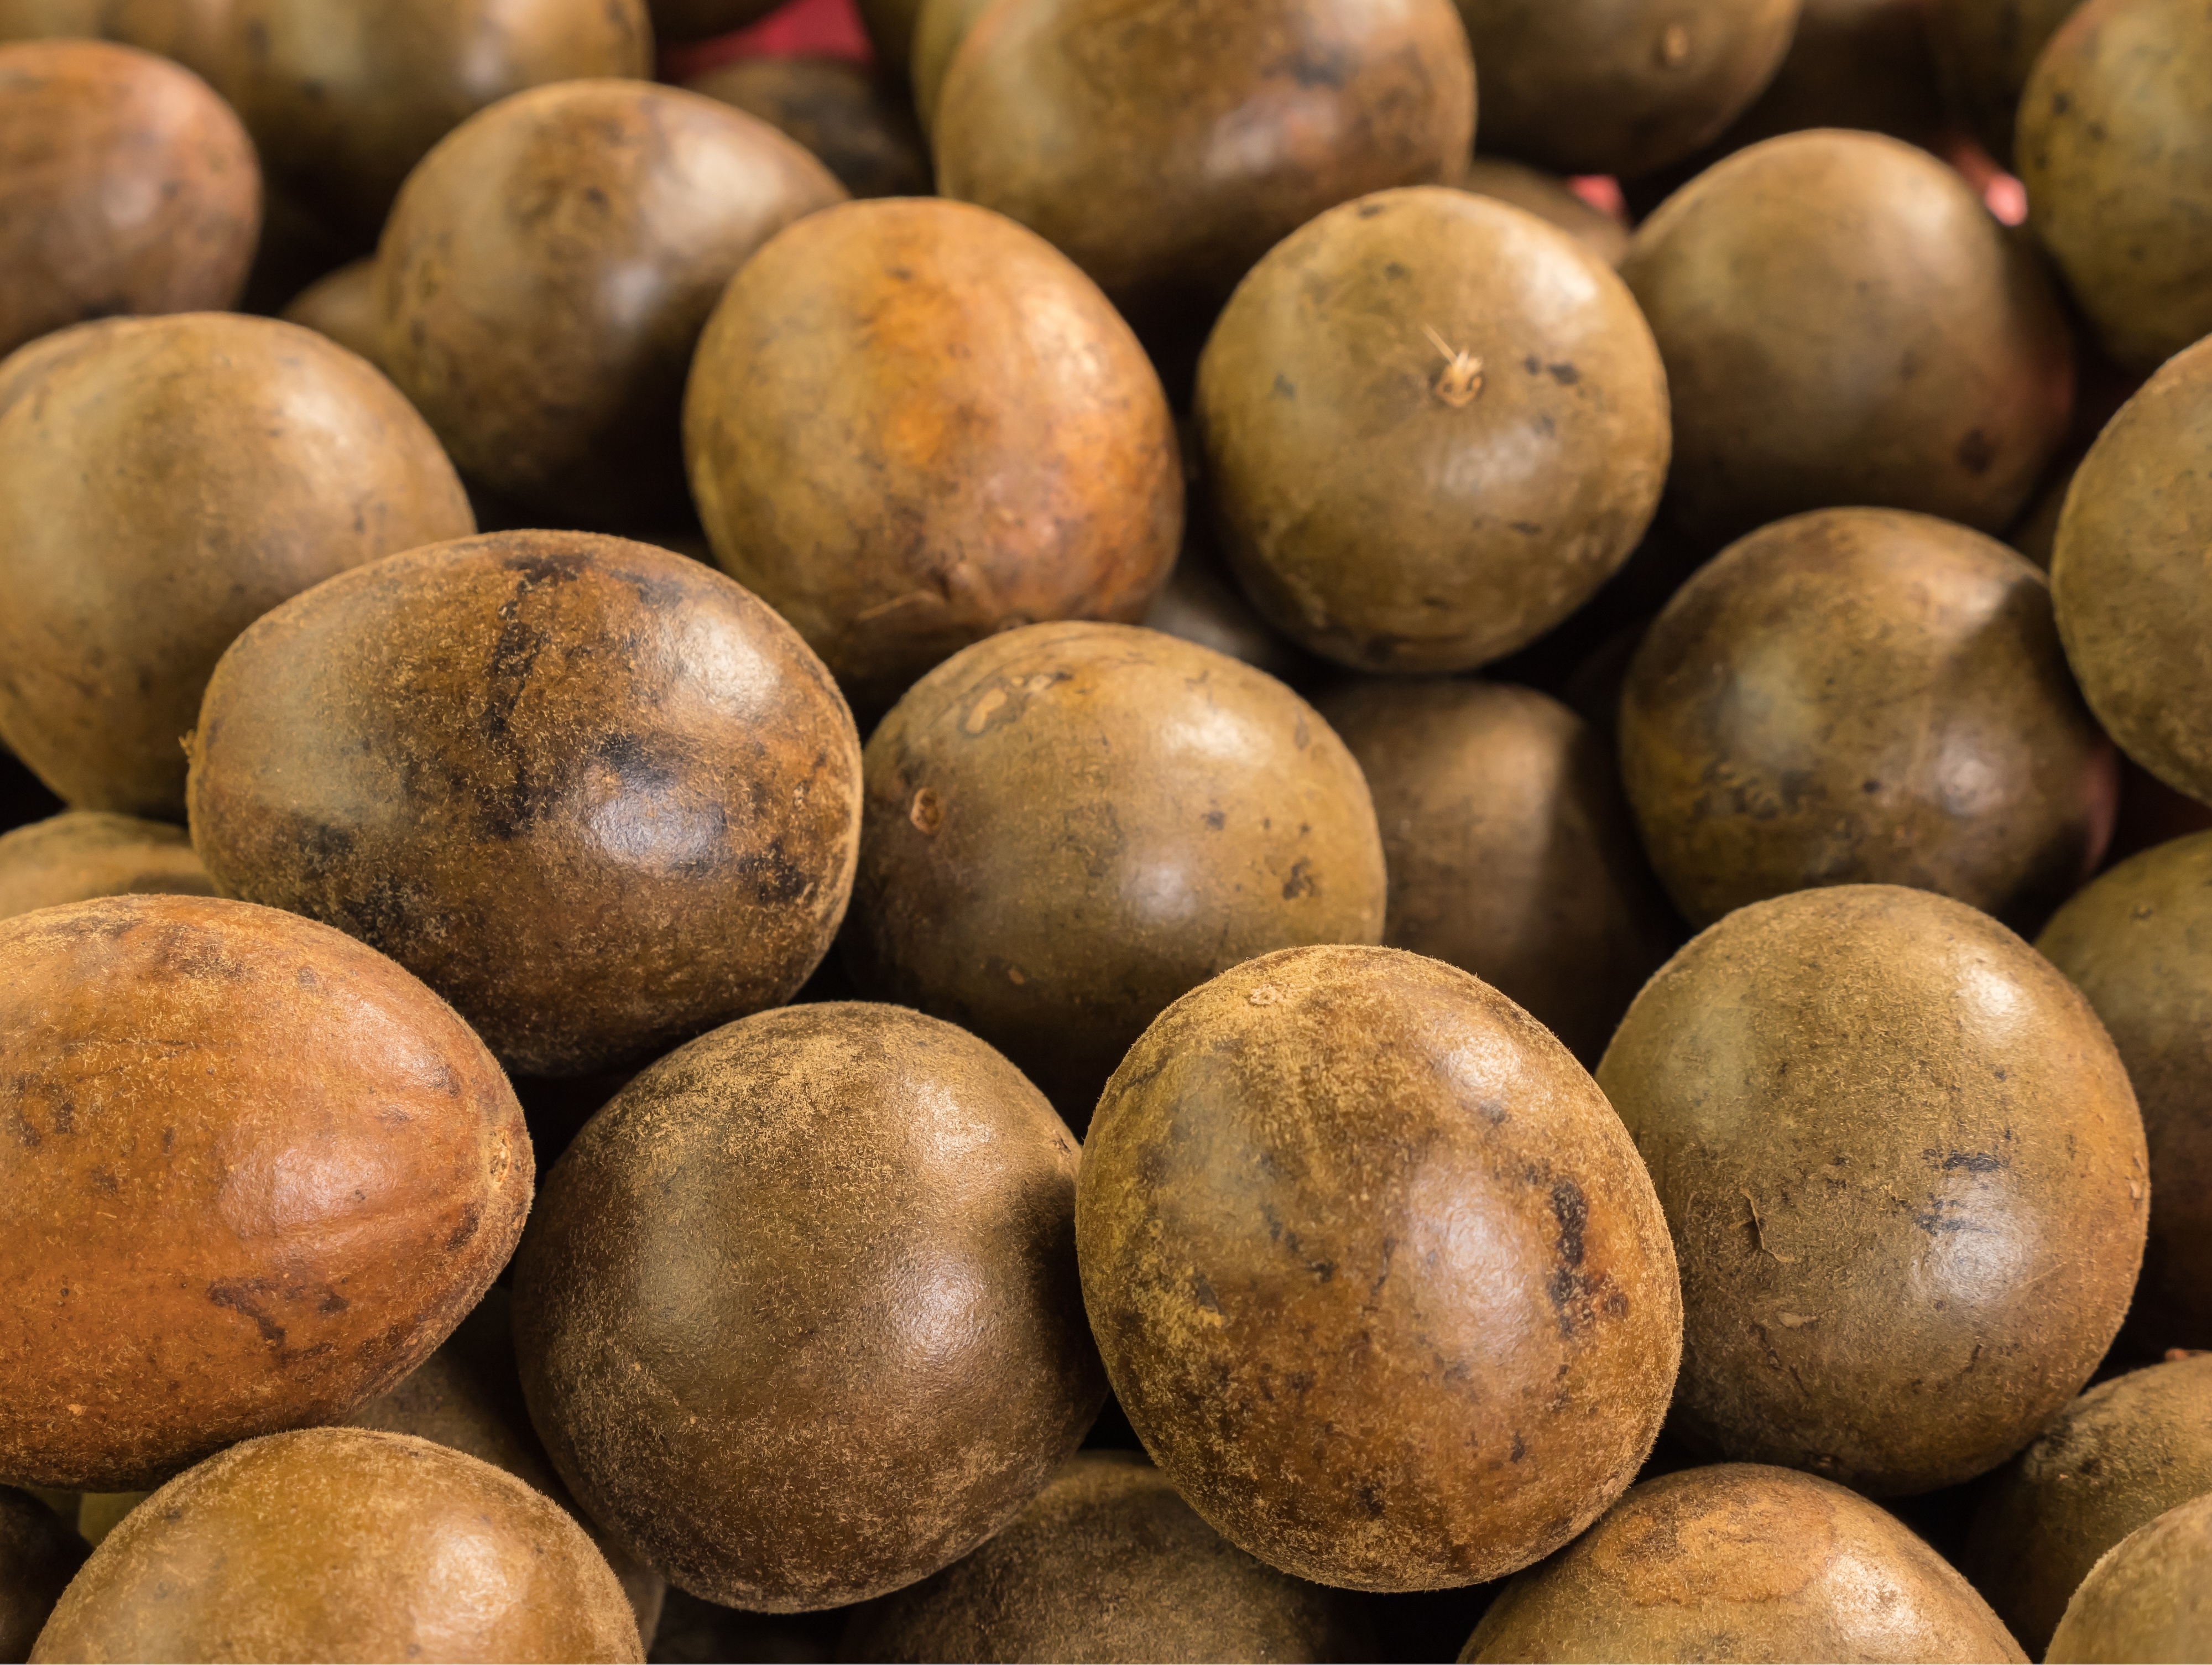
1844	323
83	854
163	482
1115	143
702	20
1068	827
2115	1459
1739	1561
2112	150
341	306
863	132
2138	943
2126	574
1433	426
839	1218
547	269
594	794
939	28
1905	1179
126	186
338	1543
1859	696
1620	87
343	97
1376	1275
1200	603
194	33
321	1170
1108	1563
1509	847
913	424
1984	51
2150	1597
1550	197
38	1555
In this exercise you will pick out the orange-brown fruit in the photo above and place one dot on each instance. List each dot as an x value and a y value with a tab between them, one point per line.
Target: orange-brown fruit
798	1315
320	1167
1509	847
2138	943
343	97
862	130
1741	1562
1376	1272
163	482
1620	87
596	795
1859	696
1108	1563
341	306
39	1555
1904	1176
2115	1459
1843	322
194	32
546	272
467	1396
1550	197
1166	147
1434	424
338	1543
126	186
2127	575
1068	827
913	424
2150	1598
83	854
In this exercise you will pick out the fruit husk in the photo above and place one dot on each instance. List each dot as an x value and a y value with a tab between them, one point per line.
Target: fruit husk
2149	1598
82	854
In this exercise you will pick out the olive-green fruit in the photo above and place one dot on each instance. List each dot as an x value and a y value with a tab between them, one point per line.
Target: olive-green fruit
798	1315
338	1543
1164	148
939	27
1984	51
39	1555
467	1396
99	1513
343	97
2138	943
1741	1562
126	186
321	1169
598	796
163	482
1904	1176
1844	323
863	132
700	19
546	272
1433	425
913	424
2148	1601
1375	1271
342	305
2126	576
1108	1563
1068	827
82	854
2117	157
1549	196
1620	87
890	25
1859	696
1509	847
2119	1456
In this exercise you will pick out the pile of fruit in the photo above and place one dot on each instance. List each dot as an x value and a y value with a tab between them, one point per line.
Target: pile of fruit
1491	982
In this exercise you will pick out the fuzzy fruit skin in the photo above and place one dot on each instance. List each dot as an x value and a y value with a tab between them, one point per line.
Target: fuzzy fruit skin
2149	1598
82	854
595	794
126	186
1740	1561
1375	1271
341	306
798	1318
341	1543
1906	1178
323	1169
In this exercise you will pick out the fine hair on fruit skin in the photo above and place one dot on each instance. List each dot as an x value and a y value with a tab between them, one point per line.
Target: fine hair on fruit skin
82	854
2149	1598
